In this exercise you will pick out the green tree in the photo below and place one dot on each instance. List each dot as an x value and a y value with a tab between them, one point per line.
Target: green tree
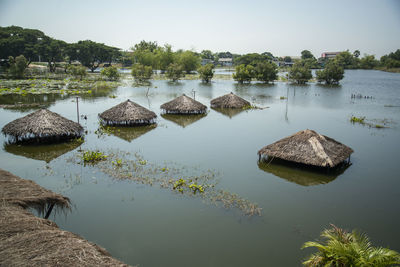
332	73
346	60
77	71
266	72
206	72
207	54
141	73
189	61
300	73
391	60
91	54
164	57
368	62
287	59
17	66
356	53
342	248
110	73
174	72
305	54
244	73
52	51
252	59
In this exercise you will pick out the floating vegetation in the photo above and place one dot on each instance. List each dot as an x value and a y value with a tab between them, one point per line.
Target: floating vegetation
355	119
283	98
379	124
249	107
92	156
186	181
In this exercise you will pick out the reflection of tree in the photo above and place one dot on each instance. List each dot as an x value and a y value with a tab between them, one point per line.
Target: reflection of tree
183	120
295	174
45	152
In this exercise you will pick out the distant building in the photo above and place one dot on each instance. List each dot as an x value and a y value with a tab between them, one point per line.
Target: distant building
328	55
225	61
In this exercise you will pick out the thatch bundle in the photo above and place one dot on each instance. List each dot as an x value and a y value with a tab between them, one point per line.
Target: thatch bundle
183	105
183	120
309	148
26	240
42	126
127	113
229	101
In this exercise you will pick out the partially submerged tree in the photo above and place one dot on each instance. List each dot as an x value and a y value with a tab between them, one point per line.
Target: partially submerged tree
332	73
189	61
110	73
77	71
17	66
141	73
266	72
300	73
206	72
174	72
244	73
342	248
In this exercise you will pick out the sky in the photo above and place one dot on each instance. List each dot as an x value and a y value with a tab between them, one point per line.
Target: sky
284	27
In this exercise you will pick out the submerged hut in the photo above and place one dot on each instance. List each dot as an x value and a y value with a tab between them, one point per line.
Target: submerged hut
309	148
183	105
127	113
42	126
27	240
229	101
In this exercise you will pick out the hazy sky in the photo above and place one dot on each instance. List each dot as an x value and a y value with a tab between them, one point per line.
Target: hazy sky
284	27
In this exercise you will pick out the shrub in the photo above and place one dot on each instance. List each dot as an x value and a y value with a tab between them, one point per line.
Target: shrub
17	66
142	73
77	71
244	73
300	73
206	72
266	72
174	72
110	73
332	73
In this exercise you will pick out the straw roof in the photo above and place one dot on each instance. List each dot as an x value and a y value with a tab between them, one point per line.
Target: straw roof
26	193
42	125
183	120
229	101
310	148
26	240
45	152
184	105
304	177
128	113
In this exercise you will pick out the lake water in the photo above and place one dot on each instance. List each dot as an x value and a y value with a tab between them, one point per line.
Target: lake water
153	226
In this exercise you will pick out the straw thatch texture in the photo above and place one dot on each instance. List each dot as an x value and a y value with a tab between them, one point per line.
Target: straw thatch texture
183	105
45	152
310	148
229	101
42	125
26	240
183	120
127	113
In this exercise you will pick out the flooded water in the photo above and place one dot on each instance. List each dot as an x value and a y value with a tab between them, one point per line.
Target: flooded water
152	226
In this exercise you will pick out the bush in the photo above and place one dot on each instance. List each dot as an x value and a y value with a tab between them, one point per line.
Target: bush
206	72
300	73
77	71
174	72
17	66
332	73
266	72
110	73
244	73
142	73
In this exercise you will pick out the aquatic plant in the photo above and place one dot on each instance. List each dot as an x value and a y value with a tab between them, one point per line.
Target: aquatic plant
342	248
282	97
355	119
92	156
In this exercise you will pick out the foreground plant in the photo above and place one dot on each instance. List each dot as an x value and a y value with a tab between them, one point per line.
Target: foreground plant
342	248
93	156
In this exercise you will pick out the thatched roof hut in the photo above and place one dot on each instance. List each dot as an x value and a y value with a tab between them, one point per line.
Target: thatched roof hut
183	120
309	148
229	101
42	126
45	152
26	240
183	105
128	113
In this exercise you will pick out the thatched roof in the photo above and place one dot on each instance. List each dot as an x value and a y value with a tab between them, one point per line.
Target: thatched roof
128	113
230	112
304	177
183	120
310	148
184	105
42	125
26	193
45	152
130	133
26	240
229	101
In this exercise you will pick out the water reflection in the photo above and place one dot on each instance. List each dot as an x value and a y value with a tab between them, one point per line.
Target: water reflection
230	112
183	120
294	174
128	133
44	152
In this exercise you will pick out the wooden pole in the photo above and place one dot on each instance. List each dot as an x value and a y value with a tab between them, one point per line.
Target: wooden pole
49	211
77	108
